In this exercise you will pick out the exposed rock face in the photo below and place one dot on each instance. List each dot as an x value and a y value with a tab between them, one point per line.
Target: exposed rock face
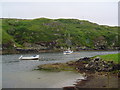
95	64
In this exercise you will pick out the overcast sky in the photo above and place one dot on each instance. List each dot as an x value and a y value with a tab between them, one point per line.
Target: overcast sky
104	13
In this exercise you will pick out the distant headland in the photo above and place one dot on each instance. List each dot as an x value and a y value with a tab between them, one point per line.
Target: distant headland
43	34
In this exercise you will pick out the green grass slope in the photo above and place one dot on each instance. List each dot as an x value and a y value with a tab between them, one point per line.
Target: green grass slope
58	33
111	57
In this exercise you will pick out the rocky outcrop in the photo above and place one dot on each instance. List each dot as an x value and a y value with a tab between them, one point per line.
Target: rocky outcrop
95	64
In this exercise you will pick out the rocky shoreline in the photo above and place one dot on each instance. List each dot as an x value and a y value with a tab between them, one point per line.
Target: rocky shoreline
96	80
23	51
98	73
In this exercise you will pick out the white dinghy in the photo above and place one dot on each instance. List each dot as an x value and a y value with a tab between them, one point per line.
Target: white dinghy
67	52
36	57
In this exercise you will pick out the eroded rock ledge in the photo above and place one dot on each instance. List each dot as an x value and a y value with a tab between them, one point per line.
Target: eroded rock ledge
86	64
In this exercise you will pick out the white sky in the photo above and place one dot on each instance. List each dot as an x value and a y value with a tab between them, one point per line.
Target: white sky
104	13
60	1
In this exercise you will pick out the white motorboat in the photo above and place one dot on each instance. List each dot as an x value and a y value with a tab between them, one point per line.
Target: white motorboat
67	52
36	57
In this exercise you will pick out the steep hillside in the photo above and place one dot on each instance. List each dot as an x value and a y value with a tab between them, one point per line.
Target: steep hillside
43	33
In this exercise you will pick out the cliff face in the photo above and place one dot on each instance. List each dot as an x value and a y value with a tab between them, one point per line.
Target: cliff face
43	33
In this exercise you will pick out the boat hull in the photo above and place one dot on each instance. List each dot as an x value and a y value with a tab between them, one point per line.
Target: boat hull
29	58
67	52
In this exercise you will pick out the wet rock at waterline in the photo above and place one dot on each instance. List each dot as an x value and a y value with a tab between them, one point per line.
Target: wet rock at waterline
95	64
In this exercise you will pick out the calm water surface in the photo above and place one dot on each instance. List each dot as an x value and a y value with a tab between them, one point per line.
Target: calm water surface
21	74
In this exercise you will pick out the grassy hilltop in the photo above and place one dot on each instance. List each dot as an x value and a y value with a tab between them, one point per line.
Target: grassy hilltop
44	33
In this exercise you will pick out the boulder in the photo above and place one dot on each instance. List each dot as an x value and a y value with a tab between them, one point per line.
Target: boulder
96	58
84	59
96	64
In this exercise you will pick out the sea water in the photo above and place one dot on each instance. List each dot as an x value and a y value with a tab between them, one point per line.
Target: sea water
21	74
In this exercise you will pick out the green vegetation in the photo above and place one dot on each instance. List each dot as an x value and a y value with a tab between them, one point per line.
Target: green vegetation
53	34
111	57
56	67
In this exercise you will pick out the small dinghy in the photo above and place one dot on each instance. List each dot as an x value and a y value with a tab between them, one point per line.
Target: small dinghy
67	52
36	57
